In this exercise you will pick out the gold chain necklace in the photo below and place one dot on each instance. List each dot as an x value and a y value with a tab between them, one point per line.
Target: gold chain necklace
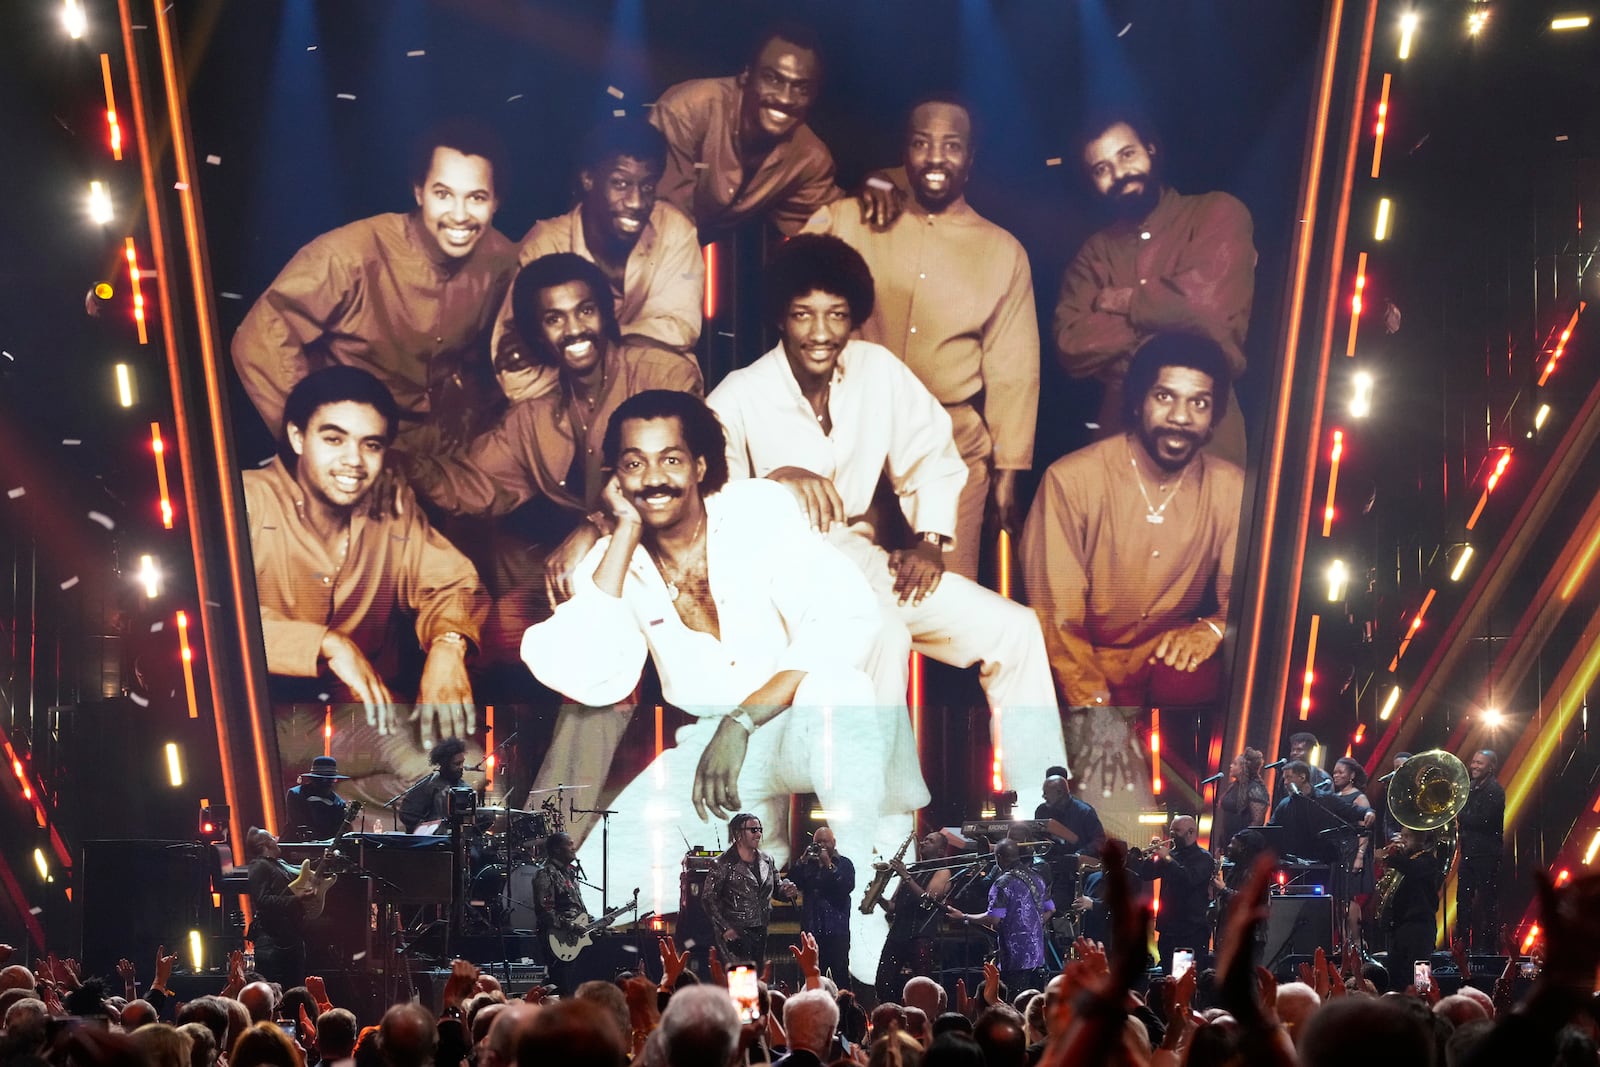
1153	515
672	582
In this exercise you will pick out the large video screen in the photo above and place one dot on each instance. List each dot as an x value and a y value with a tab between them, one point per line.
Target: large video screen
1079	299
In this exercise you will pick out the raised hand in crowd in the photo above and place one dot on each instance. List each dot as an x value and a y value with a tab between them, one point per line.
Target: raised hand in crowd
319	992
644	1011
806	955
164	964
1177	1000
6	952
235	971
463	976
130	979
719	973
672	963
1243	994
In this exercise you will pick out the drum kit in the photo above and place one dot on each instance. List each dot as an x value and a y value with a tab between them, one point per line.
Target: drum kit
505	848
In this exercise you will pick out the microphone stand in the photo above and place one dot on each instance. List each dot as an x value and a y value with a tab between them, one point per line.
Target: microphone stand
605	850
392	801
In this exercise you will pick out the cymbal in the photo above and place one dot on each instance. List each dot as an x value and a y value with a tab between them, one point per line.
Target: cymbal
556	789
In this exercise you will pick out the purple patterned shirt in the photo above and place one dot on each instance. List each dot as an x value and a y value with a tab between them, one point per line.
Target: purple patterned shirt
1019	900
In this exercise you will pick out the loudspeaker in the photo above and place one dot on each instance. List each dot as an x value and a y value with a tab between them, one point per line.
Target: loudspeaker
138	896
1296	926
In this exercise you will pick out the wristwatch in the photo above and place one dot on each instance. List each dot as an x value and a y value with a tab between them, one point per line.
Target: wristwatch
933	539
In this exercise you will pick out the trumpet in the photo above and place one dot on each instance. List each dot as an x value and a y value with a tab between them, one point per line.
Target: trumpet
1159	843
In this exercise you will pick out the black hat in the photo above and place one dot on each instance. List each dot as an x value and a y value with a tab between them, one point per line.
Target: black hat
326	767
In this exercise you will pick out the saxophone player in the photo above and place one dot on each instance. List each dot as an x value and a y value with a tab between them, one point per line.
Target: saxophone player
912	948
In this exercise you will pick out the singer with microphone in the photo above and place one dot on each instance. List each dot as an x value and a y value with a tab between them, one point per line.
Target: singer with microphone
429	800
1246	800
827	879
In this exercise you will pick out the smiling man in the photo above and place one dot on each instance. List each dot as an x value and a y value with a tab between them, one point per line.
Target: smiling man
759	630
1167	263
1128	550
408	297
739	148
828	416
954	299
333	566
646	249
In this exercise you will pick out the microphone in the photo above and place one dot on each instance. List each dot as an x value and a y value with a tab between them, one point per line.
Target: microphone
1219	776
1275	764
1388	776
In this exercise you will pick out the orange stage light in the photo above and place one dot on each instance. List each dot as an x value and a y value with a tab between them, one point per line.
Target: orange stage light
134	275
1356	304
1310	675
1383	121
159	447
114	131
1155	751
187	654
710	308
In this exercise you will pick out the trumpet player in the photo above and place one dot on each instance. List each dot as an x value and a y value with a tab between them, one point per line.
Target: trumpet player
827	879
1185	872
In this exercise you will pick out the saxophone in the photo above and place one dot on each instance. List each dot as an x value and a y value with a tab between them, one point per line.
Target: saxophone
880	879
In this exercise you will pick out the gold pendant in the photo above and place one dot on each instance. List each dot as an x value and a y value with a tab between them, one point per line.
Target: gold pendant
672	591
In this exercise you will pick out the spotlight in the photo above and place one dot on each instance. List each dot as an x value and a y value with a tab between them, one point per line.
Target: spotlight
99	203
1563	22
150	576
1381	229
1337	577
74	19
124	385
1540	417
41	864
1477	20
1408	28
1461	563
196	957
1493	718
174	765
1361	395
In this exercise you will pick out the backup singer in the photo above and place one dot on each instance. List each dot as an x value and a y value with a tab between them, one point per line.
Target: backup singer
1355	848
1245	802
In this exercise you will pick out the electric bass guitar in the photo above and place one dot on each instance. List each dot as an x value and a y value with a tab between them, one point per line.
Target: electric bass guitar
566	942
311	885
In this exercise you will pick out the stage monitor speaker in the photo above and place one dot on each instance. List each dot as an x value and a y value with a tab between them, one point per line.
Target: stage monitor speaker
1296	926
137	896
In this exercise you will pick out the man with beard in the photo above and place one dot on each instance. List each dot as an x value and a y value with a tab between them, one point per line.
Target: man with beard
646	249
1128	550
739	148
409	298
1168	263
1481	833
333	564
758	629
558	904
954	299
1304	748
829	416
1184	869
429	800
278	915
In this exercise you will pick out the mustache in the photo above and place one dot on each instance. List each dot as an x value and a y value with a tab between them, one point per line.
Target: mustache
579	338
1124	184
658	490
1176	431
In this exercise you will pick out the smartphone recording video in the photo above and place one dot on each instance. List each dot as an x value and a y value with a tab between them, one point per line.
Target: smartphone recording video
742	987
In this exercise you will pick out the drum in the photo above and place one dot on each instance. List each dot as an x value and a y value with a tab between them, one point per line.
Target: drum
518	898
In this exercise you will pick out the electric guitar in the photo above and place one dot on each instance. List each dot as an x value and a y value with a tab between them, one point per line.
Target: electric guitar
566	942
311	885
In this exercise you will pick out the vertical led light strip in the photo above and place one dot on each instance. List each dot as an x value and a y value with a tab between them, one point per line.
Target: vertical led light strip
914	698
138	291
1005	563
1155	751
1311	663
1561	345
710	307
327	729
489	749
113	129
661	772
187	655
1383	122
1355	303
159	448
1333	481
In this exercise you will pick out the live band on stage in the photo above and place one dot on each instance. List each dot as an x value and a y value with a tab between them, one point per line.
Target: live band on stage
452	876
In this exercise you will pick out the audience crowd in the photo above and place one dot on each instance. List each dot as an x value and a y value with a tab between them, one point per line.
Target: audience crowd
1102	1009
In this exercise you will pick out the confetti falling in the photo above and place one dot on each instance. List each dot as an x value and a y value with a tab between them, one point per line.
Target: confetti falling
614	91
344	96
311	48
8	355
1053	161
71	441
18	491
215	161
103	519
513	96
881	183
415	52
358	956
181	186
230	296
69	583
618	113
157	626
1124	31
35	911
139	699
